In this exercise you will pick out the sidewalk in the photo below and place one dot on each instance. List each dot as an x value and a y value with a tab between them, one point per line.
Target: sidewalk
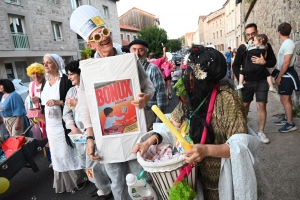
278	173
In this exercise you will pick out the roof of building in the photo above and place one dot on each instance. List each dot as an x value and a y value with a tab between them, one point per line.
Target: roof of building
201	17
140	11
125	43
130	28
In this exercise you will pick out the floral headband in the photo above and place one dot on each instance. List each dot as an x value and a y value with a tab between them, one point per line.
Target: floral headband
199	71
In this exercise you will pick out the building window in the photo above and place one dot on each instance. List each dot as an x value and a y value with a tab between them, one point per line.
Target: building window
21	71
16	2
57	32
214	36
18	32
134	37
17	69
217	34
53	1
122	36
220	33
105	11
75	4
128	37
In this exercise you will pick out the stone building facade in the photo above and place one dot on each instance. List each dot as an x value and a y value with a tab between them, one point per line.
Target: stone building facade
233	19
213	29
32	28
127	34
188	39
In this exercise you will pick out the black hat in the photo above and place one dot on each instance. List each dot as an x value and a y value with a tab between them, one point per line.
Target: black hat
138	41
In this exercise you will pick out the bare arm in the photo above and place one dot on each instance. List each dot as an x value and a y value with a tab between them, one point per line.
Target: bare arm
18	122
164	51
284	67
200	151
144	146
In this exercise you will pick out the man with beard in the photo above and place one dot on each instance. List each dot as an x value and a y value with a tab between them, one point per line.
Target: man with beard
88	23
255	83
140	48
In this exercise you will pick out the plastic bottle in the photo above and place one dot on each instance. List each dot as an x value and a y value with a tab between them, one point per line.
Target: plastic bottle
139	190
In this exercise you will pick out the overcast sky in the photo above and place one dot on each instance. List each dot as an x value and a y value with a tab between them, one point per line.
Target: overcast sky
177	17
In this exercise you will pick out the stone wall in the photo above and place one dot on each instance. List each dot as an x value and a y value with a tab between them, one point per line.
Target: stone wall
112	21
268	14
38	15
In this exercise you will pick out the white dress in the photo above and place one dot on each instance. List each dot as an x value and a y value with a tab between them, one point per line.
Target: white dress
64	158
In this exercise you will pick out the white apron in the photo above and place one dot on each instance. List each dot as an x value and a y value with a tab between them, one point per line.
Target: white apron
64	158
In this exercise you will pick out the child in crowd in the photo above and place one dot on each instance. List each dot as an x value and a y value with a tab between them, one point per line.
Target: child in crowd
175	74
258	47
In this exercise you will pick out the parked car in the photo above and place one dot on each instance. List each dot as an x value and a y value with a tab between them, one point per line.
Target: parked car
21	89
177	58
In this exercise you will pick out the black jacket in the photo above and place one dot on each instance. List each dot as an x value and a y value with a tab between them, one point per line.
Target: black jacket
241	60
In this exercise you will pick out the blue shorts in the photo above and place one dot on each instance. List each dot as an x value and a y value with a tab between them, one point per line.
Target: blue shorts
286	86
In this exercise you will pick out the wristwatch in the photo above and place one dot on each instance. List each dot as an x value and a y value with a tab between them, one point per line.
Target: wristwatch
90	137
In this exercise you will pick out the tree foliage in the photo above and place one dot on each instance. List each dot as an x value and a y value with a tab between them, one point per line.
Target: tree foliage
174	45
155	37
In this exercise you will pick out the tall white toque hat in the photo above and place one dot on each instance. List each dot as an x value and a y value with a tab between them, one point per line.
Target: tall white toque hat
85	19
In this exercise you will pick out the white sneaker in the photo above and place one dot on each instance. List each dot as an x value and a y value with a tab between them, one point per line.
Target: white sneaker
263	138
240	86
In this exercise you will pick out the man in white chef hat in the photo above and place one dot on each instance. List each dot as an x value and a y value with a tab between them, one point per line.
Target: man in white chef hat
86	21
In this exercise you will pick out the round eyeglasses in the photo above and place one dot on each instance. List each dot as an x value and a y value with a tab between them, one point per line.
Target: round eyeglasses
98	36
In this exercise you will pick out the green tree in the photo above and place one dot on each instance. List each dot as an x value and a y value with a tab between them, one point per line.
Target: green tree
155	37
174	45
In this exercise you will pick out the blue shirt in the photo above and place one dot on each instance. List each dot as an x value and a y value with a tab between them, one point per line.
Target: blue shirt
13	106
228	57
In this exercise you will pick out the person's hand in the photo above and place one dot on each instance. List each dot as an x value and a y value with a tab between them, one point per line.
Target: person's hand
196	154
90	150
71	102
141	147
164	49
75	130
258	60
242	42
53	102
35	100
17	126
278	80
176	124
141	102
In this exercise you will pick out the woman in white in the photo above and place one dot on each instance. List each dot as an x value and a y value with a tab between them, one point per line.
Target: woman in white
74	122
68	174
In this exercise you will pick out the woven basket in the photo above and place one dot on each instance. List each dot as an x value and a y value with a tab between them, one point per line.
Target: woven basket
164	173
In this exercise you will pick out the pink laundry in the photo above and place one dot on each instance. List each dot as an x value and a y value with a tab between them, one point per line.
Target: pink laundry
158	153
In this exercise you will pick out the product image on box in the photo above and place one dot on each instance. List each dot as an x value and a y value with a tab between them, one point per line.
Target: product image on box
117	114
